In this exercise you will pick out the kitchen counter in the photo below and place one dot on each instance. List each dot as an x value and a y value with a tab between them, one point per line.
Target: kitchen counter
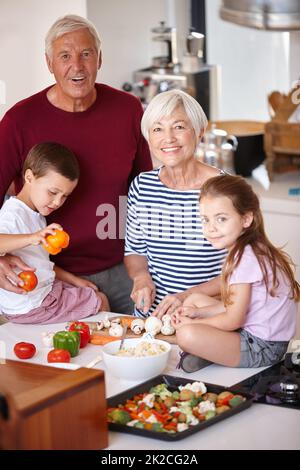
277	198
258	427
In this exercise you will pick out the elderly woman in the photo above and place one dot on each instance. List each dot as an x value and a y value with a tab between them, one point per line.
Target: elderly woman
166	254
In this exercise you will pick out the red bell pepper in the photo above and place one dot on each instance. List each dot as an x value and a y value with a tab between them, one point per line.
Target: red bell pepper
84	331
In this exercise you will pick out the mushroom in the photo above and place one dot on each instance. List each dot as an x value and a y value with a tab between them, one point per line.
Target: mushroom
166	318
99	325
153	325
137	326
116	320
106	322
167	329
115	330
47	339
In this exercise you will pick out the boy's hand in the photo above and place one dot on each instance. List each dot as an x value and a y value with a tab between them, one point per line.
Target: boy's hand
81	282
40	237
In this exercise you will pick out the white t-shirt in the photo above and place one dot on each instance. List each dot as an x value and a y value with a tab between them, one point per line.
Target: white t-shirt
17	218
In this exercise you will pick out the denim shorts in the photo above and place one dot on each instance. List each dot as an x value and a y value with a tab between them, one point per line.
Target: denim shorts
257	352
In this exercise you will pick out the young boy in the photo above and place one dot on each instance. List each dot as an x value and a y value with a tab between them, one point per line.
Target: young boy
50	173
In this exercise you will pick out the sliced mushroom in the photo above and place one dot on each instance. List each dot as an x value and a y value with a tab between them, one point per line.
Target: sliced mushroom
115	330
106	322
137	326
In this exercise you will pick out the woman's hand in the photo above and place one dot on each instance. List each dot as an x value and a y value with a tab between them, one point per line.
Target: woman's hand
39	237
8	278
143	292
169	304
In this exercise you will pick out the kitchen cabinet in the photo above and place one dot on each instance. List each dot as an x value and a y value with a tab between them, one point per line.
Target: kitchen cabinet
282	213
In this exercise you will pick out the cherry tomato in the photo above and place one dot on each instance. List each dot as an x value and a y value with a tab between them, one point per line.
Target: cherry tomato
30	280
56	242
58	355
24	350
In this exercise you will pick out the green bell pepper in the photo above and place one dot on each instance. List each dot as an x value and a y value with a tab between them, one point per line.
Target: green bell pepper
69	340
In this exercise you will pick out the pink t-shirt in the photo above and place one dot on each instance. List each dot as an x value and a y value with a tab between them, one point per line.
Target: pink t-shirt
268	318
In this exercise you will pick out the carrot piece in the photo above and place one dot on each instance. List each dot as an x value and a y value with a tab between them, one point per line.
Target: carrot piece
126	321
102	339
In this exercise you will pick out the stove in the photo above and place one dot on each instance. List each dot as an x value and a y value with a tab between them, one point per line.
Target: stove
279	385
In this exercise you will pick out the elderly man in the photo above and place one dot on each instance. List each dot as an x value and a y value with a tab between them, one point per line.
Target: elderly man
102	127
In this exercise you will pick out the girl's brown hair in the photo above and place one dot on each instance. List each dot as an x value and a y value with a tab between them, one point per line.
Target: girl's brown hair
245	200
52	156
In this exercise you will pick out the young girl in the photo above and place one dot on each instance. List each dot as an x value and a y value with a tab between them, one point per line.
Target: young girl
253	324
51	173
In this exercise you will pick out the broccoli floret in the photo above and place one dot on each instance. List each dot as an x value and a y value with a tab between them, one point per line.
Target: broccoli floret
158	427
119	416
139	425
161	391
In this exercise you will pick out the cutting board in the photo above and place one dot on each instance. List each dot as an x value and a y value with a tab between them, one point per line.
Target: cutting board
129	334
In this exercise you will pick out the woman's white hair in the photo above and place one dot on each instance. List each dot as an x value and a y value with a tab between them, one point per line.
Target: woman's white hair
165	103
67	24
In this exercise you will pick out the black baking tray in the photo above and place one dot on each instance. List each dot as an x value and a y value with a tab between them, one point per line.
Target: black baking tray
173	383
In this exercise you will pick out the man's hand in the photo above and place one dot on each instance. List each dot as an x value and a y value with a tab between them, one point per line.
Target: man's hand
8	278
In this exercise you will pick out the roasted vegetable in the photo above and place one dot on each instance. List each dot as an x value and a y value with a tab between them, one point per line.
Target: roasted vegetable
119	416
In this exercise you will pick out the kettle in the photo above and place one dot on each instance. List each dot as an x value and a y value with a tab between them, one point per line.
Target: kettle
217	148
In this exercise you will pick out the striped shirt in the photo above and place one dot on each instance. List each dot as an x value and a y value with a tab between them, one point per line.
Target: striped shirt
164	225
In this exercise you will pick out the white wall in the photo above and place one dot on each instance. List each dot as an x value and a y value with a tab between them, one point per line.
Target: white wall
125	30
253	62
23	26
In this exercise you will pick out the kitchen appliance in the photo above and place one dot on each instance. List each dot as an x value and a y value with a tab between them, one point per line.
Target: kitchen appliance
246	152
217	149
278	385
274	15
192	75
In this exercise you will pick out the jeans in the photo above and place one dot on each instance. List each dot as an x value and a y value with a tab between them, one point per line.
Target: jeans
116	285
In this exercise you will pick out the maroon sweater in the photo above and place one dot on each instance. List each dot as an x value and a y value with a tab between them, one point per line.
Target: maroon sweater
111	151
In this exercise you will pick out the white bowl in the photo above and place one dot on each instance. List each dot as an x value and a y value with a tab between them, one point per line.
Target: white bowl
132	367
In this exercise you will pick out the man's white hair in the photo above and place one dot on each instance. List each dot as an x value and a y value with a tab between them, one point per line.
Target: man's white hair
67	24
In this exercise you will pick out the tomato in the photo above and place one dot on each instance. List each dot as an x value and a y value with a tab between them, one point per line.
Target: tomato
30	280
24	350
56	242
58	355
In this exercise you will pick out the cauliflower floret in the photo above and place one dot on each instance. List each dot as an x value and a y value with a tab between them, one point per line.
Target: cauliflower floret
205	406
196	387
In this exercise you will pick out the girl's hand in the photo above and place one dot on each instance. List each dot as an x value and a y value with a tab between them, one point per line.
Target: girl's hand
169	304
40	237
143	292
178	320
190	311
